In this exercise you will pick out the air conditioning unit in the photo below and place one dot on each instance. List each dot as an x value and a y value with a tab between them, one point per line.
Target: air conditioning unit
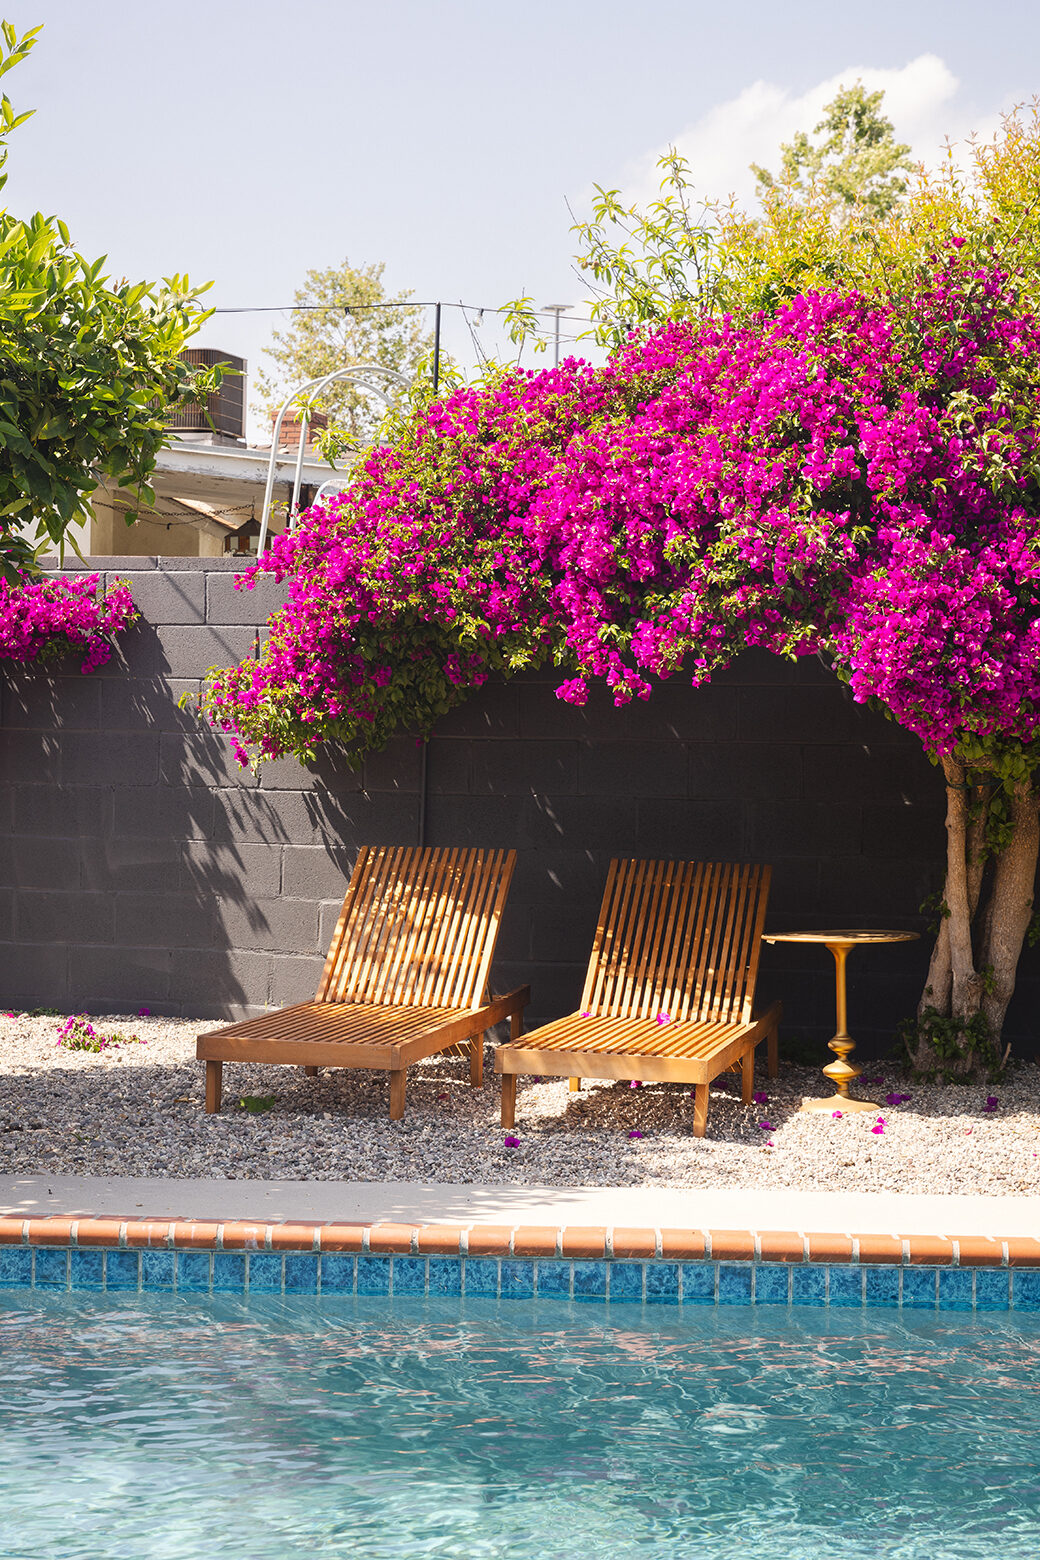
226	408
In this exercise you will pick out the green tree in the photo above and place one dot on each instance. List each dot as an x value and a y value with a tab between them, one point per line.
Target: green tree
344	320
89	369
855	163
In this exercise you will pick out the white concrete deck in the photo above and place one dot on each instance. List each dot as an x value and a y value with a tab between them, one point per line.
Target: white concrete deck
840	1213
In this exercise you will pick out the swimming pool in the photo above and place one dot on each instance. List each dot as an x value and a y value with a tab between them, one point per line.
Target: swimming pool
177	1426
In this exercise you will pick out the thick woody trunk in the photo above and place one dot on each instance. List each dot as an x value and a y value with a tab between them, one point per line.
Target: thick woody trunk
971	976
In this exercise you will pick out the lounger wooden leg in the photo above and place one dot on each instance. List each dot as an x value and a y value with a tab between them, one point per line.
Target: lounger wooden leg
575	1085
397	1081
214	1080
773	1051
747	1076
312	1072
509	1099
476	1061
700	1110
515	1022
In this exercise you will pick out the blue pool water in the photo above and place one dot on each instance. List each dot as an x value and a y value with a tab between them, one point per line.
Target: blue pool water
177	1427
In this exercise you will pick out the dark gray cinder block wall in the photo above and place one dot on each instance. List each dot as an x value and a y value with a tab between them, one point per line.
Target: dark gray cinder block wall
139	866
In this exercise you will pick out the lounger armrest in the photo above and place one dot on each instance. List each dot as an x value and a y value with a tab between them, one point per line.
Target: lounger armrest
767	1015
498	1008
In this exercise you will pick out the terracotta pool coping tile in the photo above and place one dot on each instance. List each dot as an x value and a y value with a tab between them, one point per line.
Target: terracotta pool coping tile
343	1237
51	1231
732	1246
685	1245
633	1242
980	1251
583	1241
881	1248
932	1250
781	1246
299	1235
1023	1251
440	1239
489	1240
830	1248
191	1234
149	1232
98	1232
391	1238
241	1236
535	1240
11	1231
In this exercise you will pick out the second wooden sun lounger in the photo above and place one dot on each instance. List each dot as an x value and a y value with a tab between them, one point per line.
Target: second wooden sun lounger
406	974
670	986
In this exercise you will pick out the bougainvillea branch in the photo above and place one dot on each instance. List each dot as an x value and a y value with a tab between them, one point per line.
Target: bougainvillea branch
43	618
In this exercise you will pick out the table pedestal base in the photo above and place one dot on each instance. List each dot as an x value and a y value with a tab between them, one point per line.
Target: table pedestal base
838	1102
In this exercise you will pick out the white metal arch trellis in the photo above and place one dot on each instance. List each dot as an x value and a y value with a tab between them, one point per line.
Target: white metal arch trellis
357	373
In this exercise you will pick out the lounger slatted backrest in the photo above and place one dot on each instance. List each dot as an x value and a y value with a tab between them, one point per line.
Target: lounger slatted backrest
680	938
418	927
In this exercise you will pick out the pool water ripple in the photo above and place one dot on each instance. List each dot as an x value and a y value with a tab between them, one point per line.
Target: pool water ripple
171	1427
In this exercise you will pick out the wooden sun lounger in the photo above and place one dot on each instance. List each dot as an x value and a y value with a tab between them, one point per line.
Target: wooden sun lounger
669	989
406	974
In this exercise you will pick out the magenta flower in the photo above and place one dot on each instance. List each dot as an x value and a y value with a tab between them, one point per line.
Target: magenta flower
764	1126
879	1126
635	1133
634	1083
144	1012
896	1099
512	1142
664	1018
837	1114
992	1103
760	1098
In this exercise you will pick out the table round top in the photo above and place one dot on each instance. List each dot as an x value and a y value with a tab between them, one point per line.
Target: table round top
845	936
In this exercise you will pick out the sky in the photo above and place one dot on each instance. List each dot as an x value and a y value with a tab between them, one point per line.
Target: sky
247	141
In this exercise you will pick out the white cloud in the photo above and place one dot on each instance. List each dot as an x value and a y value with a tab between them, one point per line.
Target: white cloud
921	99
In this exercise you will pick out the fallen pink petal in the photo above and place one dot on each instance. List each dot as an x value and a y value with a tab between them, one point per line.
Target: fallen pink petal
512	1142
635	1132
765	1126
760	1099
837	1114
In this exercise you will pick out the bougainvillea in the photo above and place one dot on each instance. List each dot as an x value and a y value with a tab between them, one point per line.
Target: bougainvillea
42	619
849	476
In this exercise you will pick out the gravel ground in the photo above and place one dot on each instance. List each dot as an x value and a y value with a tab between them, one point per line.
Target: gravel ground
138	1110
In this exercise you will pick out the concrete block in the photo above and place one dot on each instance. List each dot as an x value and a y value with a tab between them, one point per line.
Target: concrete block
729	770
555	987
448	766
220	982
905	831
30	758
186	651
149	863
490	711
110	757
180	813
200	756
690	830
315	872
755	666
6	918
294	979
164	597
164	919
69	812
793	828
563	934
222	871
278	925
33	861
117	979
569	878
146	704
34	975
222	565
227	602
520	768
397	768
875	891
784	714
673	711
329	771
632	769
63	917
46	703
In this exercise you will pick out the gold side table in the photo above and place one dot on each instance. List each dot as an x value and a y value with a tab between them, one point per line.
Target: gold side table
841	1072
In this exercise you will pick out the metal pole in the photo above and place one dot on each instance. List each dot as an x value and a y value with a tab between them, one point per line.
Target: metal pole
556	342
436	345
298	479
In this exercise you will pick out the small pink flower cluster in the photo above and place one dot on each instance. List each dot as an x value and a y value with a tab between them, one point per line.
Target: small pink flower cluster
847	476
43	618
77	1033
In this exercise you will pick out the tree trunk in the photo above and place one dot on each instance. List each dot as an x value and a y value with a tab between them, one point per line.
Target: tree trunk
1010	907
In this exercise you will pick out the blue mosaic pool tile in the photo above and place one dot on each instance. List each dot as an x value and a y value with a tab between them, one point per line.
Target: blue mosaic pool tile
626	1281
229	1270
919	1288
16	1266
482	1275
409	1276
955	1289
445	1276
772	1283
808	1285
373	1275
337	1273
52	1268
882	1286
991	1289
301	1273
590	1280
123	1269
662	1283
157	1268
734	1283
517	1279
845	1286
265	1273
193	1271
554	1279
87	1269
1025	1289
698	1283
